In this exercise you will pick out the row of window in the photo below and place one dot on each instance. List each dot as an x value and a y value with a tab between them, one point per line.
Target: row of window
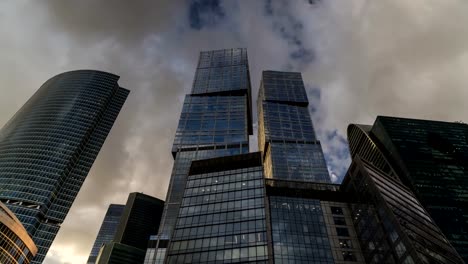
224	183
237	255
221	217
229	241
227	196
222	207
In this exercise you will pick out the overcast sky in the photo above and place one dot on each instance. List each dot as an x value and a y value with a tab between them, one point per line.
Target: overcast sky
359	59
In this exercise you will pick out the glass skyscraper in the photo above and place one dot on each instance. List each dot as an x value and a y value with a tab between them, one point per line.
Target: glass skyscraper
49	146
392	225
285	132
430	157
309	219
107	231
222	216
140	219
216	120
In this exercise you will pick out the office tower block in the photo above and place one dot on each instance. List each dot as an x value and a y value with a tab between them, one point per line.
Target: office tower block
285	132
107	231
391	223
216	121
140	219
308	218
49	146
222	215
16	246
310	223
429	157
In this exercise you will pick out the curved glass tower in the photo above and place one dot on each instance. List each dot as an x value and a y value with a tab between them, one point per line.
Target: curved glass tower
49	146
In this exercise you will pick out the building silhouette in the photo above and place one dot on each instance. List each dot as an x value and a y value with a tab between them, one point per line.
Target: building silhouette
216	120
140	219
16	246
48	147
430	158
107	231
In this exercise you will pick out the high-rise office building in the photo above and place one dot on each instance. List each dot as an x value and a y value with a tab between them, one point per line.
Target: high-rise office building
216	120
107	231
140	219
309	219
430	157
285	132
49	146
16	246
310	222
392	225
222	215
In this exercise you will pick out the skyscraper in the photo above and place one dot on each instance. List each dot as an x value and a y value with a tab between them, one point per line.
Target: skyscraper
308	217
285	132
216	120
107	231
140	219
392	225
222	216
430	157
49	146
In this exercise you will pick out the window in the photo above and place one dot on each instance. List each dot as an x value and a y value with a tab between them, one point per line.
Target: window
341	231
339	220
345	243
337	210
349	256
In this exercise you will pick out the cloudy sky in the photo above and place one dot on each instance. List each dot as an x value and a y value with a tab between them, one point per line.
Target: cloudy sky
359	59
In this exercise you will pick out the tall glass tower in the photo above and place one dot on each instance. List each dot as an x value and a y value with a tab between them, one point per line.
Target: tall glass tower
107	231
430	157
216	120
285	132
49	146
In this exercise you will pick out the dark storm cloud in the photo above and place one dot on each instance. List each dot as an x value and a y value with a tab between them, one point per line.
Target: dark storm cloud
205	13
89	20
358	58
290	27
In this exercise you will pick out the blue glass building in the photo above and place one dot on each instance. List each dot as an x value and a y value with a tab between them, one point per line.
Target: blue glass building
308	218
216	120
107	231
286	135
49	146
222	215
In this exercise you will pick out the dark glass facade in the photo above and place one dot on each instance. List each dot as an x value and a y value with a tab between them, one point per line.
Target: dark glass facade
117	253
140	219
298	231
107	231
430	157
310	223
16	246
222	215
392	225
286	135
49	146
216	121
